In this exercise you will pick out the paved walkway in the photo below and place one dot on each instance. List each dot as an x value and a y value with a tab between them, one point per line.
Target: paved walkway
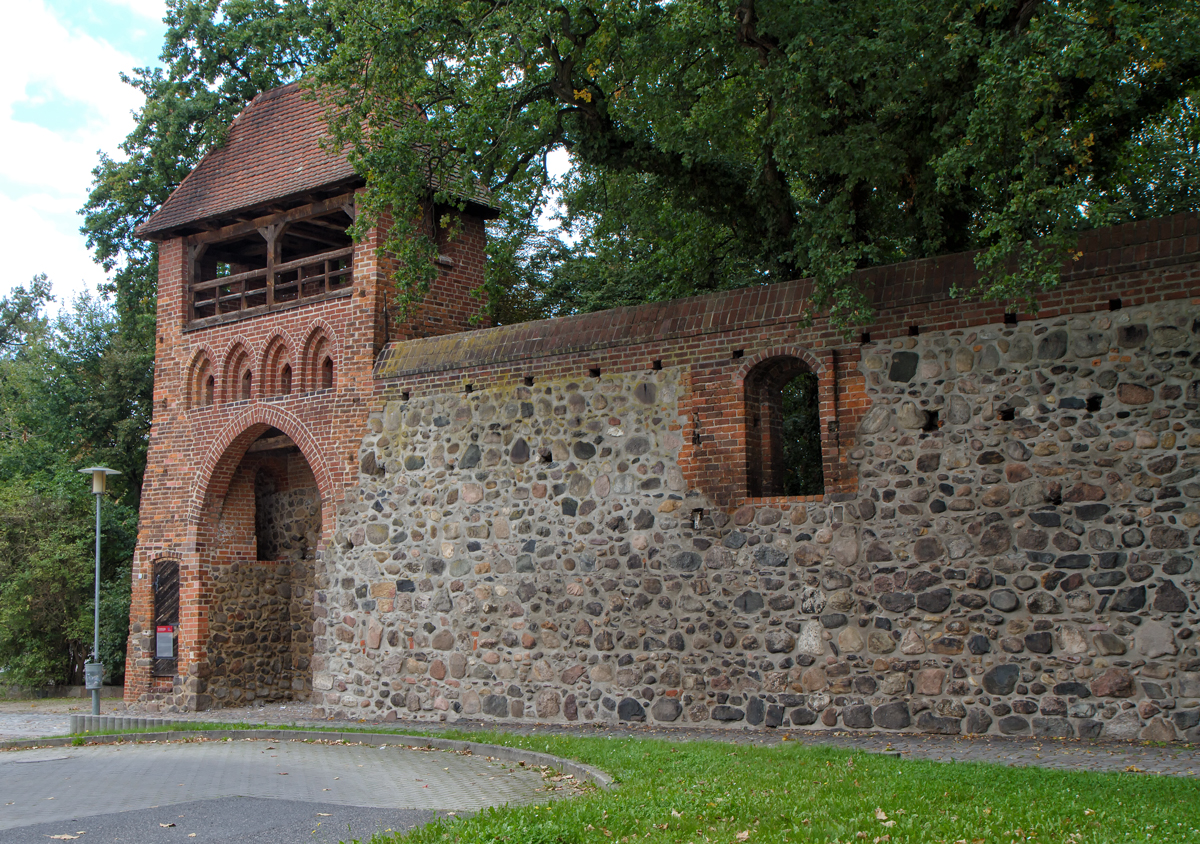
1066	754
133	789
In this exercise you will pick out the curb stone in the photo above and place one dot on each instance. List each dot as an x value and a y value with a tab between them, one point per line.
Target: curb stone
578	770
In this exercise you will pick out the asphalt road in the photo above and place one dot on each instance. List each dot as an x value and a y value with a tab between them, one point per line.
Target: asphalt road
244	790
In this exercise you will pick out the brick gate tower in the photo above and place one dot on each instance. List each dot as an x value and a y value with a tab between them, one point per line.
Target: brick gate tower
270	318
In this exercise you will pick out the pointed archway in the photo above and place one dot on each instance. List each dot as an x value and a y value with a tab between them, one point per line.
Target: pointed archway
257	518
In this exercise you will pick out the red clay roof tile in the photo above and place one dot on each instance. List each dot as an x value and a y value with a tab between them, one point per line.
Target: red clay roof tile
273	151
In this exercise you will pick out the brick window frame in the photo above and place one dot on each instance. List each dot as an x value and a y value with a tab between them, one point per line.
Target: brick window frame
748	394
238	363
276	375
319	360
201	380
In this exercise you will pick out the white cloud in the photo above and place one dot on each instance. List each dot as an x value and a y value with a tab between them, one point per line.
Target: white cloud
61	100
153	9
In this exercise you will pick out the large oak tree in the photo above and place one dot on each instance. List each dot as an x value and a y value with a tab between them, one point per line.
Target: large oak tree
724	142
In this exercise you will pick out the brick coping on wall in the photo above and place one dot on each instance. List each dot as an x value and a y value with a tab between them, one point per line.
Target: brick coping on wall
895	289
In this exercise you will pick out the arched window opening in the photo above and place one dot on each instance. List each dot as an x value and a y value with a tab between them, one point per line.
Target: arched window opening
210	389
275	378
198	383
236	377
783	430
317	360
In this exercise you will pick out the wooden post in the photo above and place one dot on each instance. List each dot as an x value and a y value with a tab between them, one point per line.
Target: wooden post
195	251
271	234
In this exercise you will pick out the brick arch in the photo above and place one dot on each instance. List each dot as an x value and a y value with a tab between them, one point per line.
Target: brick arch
761	450
229	447
312	354
193	386
278	351
815	364
238	359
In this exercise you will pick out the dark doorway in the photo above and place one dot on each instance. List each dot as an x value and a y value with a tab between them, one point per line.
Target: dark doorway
263	576
783	430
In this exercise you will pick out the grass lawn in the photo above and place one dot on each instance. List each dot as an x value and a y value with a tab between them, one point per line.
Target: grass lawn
713	792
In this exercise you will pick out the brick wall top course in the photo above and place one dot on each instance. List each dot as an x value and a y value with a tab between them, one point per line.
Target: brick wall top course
1134	247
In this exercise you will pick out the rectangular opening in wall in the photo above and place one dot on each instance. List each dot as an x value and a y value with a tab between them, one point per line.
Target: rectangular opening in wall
656	365
1114	304
914	330
1093	403
1007	414
784	434
1010	318
865	338
299	255
594	372
528	380
931	421
737	353
470	388
404	396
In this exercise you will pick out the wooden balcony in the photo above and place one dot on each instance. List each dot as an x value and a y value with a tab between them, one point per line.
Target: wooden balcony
287	285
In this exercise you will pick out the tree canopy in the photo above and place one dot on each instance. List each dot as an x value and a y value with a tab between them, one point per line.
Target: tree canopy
218	56
712	144
71	393
726	142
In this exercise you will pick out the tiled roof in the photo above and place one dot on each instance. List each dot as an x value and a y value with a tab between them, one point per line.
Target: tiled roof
273	151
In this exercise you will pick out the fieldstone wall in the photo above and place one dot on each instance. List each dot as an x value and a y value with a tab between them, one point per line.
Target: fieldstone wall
1018	557
287	524
261	644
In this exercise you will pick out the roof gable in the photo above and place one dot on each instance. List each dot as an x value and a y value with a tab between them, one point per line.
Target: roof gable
273	152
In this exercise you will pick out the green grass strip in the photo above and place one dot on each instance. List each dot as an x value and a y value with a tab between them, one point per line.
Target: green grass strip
707	792
702	792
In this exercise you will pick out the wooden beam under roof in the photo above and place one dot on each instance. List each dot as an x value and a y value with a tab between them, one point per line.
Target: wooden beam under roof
272	444
314	209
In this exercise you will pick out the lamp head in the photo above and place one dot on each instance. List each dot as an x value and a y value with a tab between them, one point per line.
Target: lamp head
99	477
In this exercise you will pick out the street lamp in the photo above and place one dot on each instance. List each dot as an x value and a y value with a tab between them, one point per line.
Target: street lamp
93	672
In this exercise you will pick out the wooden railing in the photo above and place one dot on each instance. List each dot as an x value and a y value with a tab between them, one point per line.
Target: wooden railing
284	284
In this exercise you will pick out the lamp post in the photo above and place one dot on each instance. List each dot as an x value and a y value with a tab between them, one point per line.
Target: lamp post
93	672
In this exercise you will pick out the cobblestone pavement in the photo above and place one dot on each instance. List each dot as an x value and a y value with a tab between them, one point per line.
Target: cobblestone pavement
1063	754
1066	754
20	725
57	784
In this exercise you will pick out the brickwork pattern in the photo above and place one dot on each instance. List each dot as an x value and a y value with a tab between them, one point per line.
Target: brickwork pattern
551	520
198	502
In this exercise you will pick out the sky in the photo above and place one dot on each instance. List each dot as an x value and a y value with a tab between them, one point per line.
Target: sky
61	102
